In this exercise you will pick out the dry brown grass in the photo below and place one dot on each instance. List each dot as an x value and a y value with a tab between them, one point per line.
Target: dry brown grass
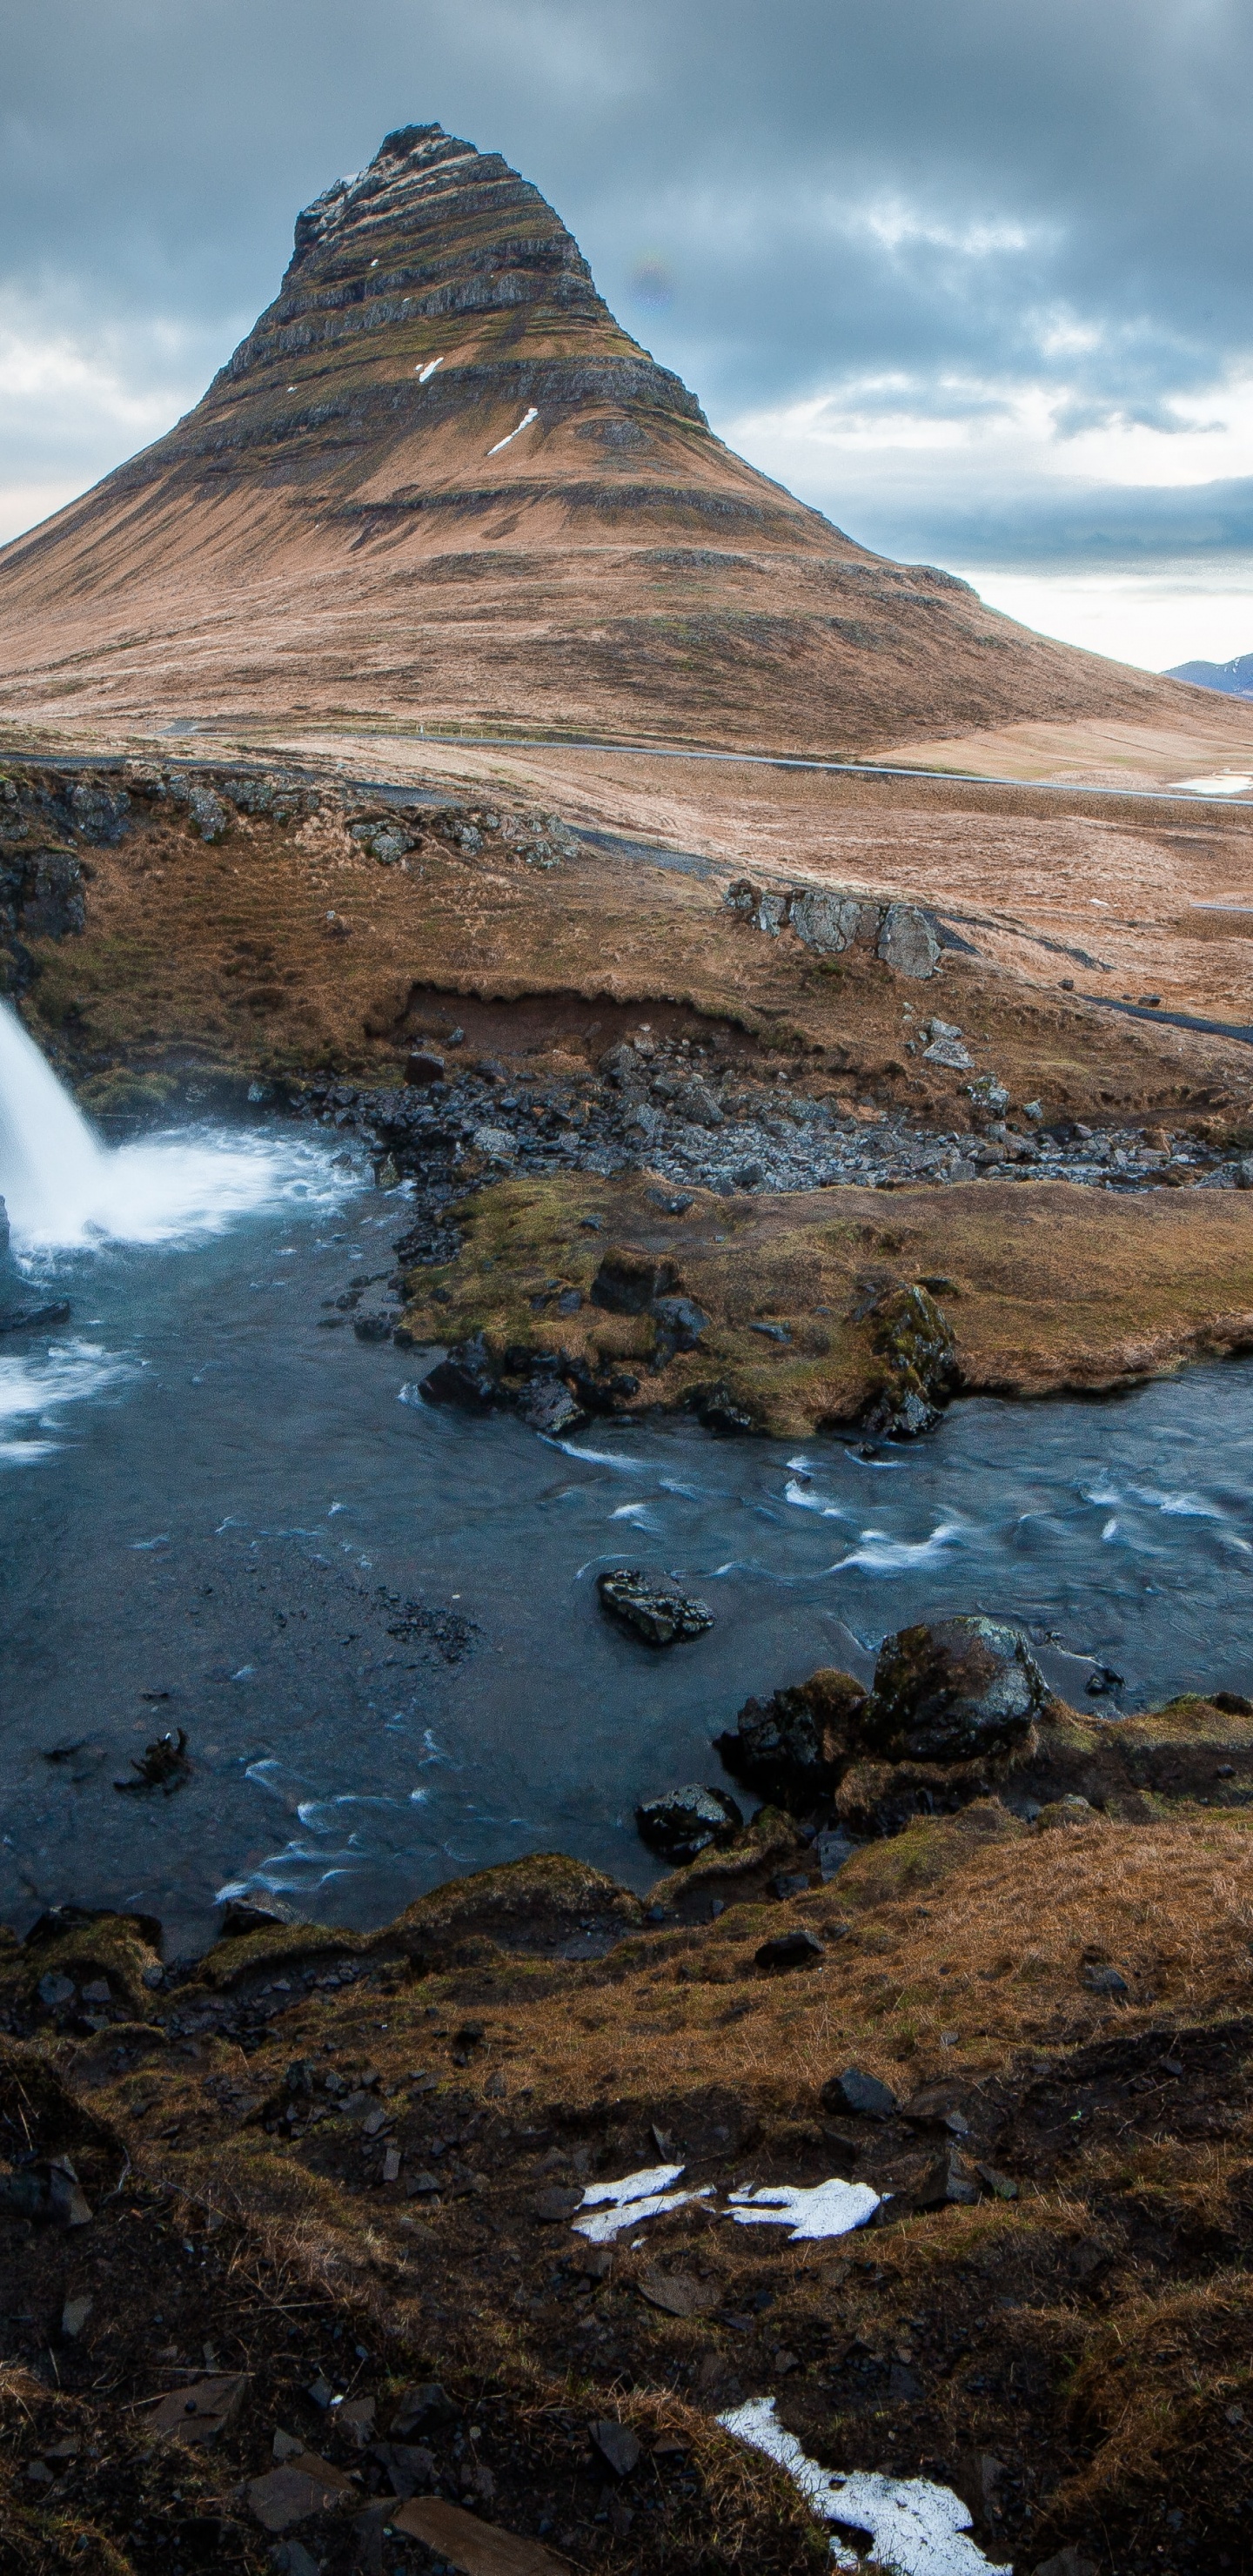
1056	1285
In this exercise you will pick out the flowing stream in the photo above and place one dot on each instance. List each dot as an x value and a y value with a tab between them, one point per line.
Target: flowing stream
377	1621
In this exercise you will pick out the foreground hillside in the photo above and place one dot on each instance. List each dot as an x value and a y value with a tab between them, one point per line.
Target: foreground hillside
292	2244
438	482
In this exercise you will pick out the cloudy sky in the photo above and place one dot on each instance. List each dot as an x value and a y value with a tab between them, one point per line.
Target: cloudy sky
975	279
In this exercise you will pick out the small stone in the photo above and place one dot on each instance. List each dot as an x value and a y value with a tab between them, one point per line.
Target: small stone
462	2541
291	2558
355	2420
55	1991
391	2165
97	1992
422	2408
949	2181
465	1378
555	2208
618	2446
1001	2185
67	2204
1101	1980
296	2491
948	1051
1070	1810
833	1851
789	1882
496	1144
74	2317
409	2465
286	2446
680	2294
860	2093
202	2410
1068	2562
799	1949
423	1069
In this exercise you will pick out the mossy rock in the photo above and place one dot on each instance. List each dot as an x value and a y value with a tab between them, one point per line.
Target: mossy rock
122	1949
125	1095
536	1901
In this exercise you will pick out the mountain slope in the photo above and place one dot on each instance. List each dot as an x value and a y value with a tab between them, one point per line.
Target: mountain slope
439	482
1232	679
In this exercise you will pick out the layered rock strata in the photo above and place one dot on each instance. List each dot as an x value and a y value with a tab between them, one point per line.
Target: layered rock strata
438	482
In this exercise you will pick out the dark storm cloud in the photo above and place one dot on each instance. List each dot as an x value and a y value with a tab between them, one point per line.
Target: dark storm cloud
931	207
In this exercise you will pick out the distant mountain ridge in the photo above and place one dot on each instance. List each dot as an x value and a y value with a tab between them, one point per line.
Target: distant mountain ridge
1232	679
438	483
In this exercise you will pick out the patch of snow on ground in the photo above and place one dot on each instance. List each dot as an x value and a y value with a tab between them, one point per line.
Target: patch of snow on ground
828	2209
617	2205
916	2528
524	423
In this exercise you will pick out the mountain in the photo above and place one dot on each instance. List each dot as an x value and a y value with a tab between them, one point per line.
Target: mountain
1232	679
438	482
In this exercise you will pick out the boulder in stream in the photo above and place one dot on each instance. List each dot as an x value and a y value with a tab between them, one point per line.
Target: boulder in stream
464	1378
647	1605
684	1822
952	1690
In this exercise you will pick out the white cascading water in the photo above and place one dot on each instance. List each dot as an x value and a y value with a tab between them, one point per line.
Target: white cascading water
63	1187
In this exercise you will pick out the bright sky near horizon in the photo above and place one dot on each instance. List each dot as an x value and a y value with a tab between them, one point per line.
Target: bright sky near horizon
975	281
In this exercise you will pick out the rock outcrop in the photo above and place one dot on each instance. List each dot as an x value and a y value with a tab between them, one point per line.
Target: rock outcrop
438	480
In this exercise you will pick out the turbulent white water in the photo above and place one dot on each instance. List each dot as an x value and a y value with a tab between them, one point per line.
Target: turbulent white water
63	1187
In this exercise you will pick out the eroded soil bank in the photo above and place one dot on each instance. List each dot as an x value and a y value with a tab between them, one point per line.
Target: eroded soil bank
341	2168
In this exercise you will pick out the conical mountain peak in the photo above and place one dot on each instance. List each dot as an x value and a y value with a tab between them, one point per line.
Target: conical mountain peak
439	482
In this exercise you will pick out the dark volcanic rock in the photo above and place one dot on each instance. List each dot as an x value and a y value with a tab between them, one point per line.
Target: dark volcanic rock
949	2181
33	1319
914	1343
464	1378
680	1325
860	2093
647	1606
547	1405
791	1748
684	1822
715	1409
627	1283
799	1949
952	1691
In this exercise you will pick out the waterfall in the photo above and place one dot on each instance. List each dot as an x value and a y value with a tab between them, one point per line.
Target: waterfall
63	1187
49	1158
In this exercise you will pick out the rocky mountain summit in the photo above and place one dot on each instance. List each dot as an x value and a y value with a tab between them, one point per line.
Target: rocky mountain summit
439	484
